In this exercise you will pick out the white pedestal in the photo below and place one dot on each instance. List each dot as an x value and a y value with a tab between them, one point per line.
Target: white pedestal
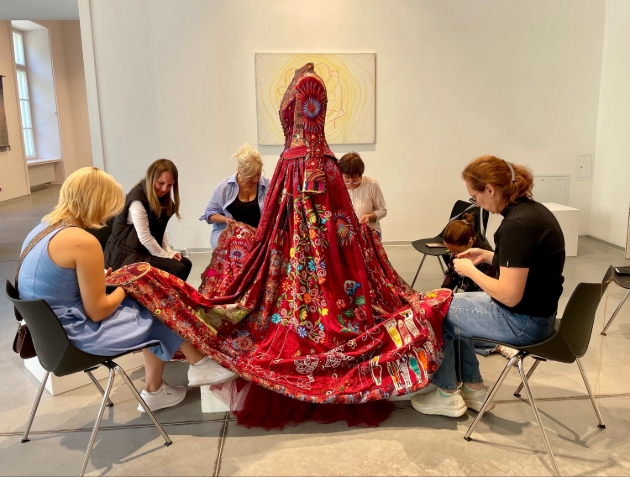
568	218
57	385
210	403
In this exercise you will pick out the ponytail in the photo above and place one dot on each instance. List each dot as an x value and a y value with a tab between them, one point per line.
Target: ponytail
459	232
511	181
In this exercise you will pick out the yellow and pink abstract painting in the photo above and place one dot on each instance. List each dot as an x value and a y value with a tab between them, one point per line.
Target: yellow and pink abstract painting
350	80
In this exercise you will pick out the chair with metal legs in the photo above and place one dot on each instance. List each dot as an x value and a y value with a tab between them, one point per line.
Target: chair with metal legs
624	282
568	344
459	208
58	356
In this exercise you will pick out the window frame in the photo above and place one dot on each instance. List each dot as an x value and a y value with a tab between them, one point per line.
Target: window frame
28	145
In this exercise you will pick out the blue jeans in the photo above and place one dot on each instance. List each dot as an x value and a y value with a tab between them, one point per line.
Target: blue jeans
476	314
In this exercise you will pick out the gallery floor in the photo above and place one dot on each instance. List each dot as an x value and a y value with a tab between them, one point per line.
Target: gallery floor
507	441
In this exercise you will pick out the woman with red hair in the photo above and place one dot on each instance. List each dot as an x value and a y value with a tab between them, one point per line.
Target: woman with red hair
518	306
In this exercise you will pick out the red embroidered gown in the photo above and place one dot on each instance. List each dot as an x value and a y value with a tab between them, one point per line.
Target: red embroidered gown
307	305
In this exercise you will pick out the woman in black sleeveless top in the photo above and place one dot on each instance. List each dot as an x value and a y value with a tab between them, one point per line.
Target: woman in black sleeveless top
139	231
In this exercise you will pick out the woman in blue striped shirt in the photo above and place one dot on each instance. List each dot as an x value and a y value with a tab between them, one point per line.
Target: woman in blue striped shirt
239	197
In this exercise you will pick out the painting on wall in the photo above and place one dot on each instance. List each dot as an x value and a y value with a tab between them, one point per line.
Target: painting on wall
350	80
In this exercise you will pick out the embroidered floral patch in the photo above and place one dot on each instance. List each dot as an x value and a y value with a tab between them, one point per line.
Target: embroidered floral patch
344	228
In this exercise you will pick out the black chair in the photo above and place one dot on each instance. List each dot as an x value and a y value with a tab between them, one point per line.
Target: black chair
568	343
460	207
624	282
57	355
103	233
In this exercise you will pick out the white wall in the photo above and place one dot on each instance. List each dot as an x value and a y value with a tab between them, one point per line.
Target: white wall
455	79
611	186
77	95
71	99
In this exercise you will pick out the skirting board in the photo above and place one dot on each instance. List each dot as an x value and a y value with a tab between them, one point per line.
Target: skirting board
603	242
57	385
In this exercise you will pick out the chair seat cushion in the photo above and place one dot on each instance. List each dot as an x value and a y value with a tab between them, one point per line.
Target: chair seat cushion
421	246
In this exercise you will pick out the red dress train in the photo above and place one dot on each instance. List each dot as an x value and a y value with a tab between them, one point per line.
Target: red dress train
307	305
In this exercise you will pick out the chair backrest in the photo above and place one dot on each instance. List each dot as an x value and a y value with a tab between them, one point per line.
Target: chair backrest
103	233
54	350
577	320
480	216
459	208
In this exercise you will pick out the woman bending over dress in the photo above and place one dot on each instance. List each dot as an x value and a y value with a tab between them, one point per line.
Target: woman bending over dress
139	231
66	269
519	307
459	236
239	197
365	192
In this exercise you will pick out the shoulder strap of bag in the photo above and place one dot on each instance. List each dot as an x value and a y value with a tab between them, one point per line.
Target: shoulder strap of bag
38	238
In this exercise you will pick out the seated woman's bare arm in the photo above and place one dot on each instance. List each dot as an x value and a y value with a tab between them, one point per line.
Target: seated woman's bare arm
508	289
76	248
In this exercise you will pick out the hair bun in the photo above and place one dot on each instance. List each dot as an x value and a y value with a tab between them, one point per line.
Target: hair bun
468	219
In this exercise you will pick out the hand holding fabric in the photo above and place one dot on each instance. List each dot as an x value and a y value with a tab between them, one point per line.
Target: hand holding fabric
463	266
365	219
475	255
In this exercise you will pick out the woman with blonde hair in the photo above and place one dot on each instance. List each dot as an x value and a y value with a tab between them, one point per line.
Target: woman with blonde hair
240	197
64	266
519	305
139	231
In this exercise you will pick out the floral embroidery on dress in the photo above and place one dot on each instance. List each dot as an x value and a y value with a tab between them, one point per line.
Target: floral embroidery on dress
307	305
344	227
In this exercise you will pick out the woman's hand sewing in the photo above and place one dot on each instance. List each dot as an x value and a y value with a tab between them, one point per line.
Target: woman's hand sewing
463	266
477	256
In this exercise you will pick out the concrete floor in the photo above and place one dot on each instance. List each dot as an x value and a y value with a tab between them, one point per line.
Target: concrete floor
507	441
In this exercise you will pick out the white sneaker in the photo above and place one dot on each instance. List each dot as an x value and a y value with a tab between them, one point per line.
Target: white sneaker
407	397
207	371
166	396
475	399
440	403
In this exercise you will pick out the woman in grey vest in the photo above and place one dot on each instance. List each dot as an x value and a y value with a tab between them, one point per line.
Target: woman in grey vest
139	231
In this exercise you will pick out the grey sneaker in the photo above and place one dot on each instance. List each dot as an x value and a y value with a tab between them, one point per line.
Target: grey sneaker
475	399
166	396
440	403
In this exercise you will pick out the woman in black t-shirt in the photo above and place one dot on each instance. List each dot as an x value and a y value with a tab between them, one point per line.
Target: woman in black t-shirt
519	306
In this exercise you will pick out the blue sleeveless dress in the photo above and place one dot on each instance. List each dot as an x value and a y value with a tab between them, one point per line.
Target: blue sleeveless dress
130	327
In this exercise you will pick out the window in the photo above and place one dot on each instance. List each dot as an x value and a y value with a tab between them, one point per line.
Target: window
23	95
